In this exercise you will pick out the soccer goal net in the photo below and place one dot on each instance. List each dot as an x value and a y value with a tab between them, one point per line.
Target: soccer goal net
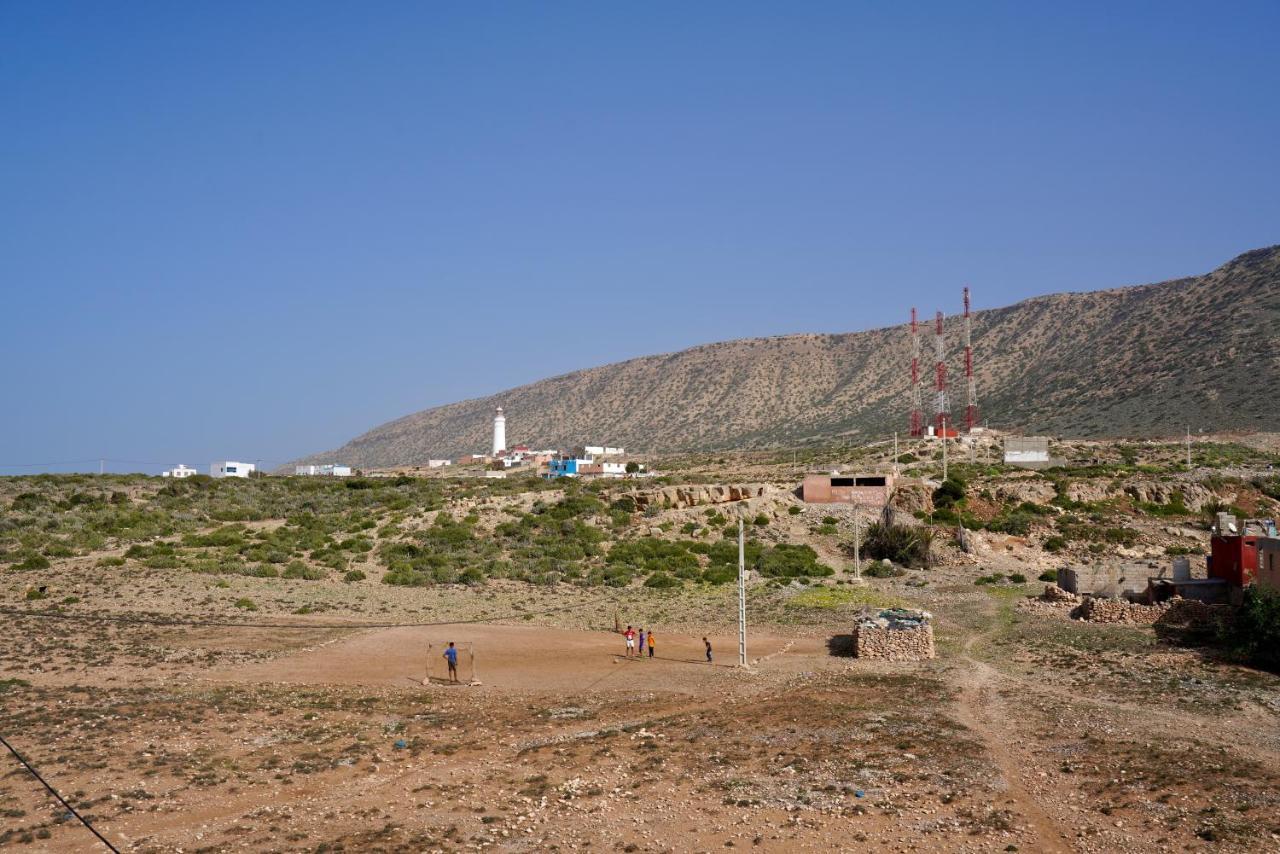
438	664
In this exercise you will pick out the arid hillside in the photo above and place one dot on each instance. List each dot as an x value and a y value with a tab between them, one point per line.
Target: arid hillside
1127	361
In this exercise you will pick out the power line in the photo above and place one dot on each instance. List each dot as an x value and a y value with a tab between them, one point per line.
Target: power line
61	800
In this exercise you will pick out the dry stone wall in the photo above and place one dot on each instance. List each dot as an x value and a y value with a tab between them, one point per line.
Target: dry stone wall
889	644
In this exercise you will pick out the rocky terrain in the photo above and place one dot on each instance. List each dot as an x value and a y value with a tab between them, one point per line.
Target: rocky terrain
254	665
1127	361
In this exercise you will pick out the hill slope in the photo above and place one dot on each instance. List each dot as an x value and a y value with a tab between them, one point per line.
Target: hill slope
1135	360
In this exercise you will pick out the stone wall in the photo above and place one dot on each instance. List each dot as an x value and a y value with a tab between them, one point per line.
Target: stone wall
914	644
1180	613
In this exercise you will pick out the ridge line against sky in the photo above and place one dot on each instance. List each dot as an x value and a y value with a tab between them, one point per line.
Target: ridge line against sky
254	232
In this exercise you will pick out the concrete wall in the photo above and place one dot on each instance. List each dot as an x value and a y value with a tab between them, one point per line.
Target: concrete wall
1269	563
847	489
1106	580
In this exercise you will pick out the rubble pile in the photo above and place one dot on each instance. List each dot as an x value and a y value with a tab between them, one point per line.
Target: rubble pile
1054	593
895	634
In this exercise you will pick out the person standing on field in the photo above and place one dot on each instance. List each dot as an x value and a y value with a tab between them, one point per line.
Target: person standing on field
630	635
651	643
641	648
708	645
451	656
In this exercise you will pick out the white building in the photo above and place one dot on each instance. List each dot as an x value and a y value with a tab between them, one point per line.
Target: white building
330	470
1030	451
603	451
438	464
179	471
499	431
230	468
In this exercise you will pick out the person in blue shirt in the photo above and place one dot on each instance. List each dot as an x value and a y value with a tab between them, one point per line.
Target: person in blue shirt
451	656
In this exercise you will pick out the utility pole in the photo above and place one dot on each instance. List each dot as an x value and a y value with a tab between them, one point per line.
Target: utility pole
895	452
1188	447
102	467
944	447
742	596
857	545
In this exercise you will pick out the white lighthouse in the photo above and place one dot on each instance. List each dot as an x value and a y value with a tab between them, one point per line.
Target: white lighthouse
499	431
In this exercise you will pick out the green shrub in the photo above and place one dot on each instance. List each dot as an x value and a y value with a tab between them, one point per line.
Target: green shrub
33	562
1055	543
1049	575
902	544
660	580
298	569
353	575
883	569
262	570
471	576
950	493
1254	635
761	520
794	510
625	504
1018	578
791	561
34	593
111	561
829	520
1017	524
994	578
246	604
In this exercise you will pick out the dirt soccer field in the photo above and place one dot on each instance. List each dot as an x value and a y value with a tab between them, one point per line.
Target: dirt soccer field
221	738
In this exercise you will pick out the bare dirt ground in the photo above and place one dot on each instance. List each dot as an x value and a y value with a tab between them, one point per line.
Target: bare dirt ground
1028	733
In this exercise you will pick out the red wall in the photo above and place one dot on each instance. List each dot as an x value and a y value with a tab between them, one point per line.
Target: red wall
1235	559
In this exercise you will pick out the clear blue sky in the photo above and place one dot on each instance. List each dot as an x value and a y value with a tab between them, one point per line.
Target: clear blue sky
254	230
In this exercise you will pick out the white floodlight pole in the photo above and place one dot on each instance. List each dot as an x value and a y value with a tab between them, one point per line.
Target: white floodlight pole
857	544
742	596
1188	447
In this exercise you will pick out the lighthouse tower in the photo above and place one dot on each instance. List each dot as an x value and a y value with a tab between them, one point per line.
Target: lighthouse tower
499	431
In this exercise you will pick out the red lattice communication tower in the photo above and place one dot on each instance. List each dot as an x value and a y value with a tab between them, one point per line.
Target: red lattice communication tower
971	388
940	401
917	404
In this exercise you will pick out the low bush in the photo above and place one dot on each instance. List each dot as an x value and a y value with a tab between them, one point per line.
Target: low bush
660	580
1049	575
353	575
794	510
883	569
902	544
1055	544
246	604
1254	635
298	569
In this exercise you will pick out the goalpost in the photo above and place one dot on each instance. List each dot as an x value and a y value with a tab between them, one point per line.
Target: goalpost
438	668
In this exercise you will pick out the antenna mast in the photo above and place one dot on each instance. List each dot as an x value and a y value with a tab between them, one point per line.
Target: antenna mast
917	405
940	402
971	388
